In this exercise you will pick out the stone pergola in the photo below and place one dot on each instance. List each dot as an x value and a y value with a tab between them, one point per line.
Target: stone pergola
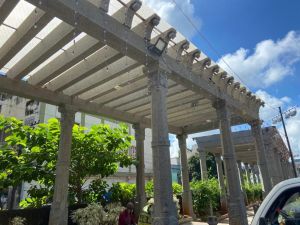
276	152
95	56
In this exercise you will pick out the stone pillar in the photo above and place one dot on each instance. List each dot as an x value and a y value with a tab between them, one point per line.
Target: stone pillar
239	163
278	166
257	173
187	202
139	132
248	173
283	169
59	207
260	154
203	166
165	212
236	206
253	174
242	180
223	200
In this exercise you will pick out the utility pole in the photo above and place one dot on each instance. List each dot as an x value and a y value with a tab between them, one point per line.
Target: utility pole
288	142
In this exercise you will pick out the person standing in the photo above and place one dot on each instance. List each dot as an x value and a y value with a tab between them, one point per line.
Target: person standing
127	217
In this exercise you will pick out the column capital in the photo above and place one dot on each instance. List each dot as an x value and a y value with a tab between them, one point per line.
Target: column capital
255	123
201	150
219	104
218	155
139	130
138	126
181	136
66	109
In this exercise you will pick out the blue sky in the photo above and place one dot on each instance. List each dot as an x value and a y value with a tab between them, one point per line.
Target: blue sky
259	39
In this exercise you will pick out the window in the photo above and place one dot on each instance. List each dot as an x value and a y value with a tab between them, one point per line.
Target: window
285	210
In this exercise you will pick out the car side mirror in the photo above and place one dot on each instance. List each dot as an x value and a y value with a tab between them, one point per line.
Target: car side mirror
262	221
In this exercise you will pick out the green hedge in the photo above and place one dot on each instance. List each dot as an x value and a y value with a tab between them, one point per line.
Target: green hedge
253	192
205	193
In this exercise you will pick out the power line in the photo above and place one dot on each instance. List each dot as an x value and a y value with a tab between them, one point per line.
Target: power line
213	48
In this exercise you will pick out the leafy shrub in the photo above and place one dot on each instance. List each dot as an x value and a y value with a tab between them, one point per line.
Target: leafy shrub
205	193
149	189
122	192
96	192
253	192
177	189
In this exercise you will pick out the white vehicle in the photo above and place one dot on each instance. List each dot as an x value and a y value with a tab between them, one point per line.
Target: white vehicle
281	206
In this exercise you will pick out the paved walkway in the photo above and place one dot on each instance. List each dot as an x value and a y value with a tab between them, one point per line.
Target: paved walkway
250	215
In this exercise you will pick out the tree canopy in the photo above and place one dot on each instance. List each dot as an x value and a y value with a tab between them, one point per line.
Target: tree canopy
30	154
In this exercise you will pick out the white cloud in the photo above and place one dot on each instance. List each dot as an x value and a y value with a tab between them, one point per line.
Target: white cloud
270	62
168	11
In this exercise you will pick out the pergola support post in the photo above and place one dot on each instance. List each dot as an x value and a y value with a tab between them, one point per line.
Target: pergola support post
59	207
236	206
248	173
203	166
253	170
140	168
278	165
223	200
242	181
187	202
165	212
261	155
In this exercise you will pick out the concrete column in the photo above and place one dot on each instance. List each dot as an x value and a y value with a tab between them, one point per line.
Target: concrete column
260	154
252	167
257	173
278	167
236	206
248	173
59	207
165	212
242	180
220	172
187	202
283	169
139	132
203	166
239	163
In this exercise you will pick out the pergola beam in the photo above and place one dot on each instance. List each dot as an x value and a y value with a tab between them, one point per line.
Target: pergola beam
35	22
6	7
94	22
58	38
25	90
85	47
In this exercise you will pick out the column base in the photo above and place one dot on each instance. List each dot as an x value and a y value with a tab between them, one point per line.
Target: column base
223	204
237	213
170	220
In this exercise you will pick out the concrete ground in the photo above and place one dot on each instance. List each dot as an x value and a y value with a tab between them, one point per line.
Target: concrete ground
250	215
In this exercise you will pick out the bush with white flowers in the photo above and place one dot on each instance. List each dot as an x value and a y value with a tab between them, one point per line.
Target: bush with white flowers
18	221
95	214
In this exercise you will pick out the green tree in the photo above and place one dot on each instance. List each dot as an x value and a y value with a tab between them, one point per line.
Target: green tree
195	170
30	154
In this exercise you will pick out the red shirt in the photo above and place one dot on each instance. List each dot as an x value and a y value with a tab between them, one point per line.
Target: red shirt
126	218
